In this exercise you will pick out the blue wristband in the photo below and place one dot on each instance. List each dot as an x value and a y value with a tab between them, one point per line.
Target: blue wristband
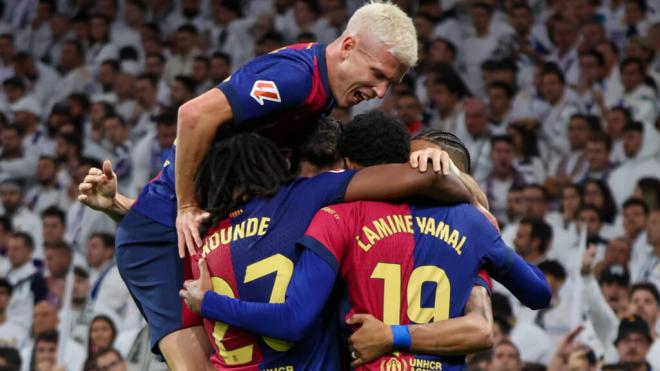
401	339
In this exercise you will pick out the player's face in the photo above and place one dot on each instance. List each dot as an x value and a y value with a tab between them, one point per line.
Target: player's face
365	71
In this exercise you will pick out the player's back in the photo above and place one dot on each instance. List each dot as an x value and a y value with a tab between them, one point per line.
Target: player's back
277	95
404	264
251	256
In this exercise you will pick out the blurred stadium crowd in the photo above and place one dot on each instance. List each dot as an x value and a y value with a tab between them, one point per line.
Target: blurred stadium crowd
556	101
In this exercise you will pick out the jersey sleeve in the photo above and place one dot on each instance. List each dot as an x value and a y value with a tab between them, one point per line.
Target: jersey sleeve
483	279
266	85
327	188
328	235
525	281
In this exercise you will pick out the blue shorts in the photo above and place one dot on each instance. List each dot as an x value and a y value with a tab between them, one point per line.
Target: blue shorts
149	263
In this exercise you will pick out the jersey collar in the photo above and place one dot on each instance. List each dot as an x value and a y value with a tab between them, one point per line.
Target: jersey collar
319	51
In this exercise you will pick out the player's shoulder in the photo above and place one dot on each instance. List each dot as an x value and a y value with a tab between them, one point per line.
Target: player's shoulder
287	59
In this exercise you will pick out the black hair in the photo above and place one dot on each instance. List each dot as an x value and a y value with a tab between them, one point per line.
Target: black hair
506	138
648	286
450	45
5	223
113	63
636	202
553	268
540	230
56	212
374	138
224	56
153	80
107	239
12	358
551	68
507	88
608	211
633	60
450	143
320	148
625	111
634	126
49	336
600	60
27	239
501	305
5	283
106	319
189	28
128	53
504	324
530	147
251	166
600	137
167	116
188	82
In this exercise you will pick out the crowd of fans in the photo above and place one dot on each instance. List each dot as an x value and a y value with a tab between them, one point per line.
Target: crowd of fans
556	101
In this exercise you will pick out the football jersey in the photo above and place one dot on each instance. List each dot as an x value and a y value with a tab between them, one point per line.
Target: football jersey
277	95
407	264
251	256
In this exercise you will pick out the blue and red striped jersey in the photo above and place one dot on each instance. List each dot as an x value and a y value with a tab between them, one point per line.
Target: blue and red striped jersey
277	95
251	256
407	264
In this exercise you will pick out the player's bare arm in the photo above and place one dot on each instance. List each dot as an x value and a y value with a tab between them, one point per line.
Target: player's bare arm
99	192
468	334
198	121
394	181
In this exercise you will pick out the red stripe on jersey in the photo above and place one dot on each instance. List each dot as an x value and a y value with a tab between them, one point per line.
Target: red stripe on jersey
374	275
316	98
221	268
484	275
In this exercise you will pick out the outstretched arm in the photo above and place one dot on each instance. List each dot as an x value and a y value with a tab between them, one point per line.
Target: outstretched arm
309	289
471	333
395	181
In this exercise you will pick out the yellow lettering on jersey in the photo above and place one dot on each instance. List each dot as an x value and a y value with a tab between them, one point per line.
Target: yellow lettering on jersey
364	246
441	231
248	228
382	228
371	236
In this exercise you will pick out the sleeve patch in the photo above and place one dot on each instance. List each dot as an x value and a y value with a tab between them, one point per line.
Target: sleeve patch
264	90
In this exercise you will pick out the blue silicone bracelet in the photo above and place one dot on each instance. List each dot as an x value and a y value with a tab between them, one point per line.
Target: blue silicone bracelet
401	339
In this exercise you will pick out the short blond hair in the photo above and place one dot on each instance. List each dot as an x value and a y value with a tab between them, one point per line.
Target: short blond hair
390	26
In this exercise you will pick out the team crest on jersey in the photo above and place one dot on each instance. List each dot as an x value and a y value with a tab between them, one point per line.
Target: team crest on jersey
393	364
264	90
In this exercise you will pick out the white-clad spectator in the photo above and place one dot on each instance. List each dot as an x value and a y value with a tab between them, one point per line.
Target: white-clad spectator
35	37
645	302
650	267
22	219
527	157
637	96
27	115
554	128
446	93
635	217
124	89
597	153
11	334
7	50
590	87
125	31
612	76
184	52
101	47
623	179
5	232
43	345
477	137
146	106
116	133
14	89
616	119
42	80
502	176
306	18
201	74
478	48
182	89
219	67
14	161
506	357
29	285
47	192
563	34
500	99
189	12
633	343
76	76
60	30
151	152
108	291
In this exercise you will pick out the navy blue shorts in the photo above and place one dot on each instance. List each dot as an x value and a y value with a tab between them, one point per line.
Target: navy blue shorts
149	263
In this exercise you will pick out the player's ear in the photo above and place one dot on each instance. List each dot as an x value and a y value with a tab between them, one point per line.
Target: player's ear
347	45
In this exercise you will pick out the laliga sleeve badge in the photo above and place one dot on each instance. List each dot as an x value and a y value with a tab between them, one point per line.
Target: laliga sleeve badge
263	90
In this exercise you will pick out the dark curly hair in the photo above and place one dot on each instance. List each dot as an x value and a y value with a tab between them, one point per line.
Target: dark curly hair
236	170
374	138
320	148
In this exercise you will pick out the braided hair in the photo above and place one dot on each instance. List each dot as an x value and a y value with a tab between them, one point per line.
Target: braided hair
450	143
236	170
